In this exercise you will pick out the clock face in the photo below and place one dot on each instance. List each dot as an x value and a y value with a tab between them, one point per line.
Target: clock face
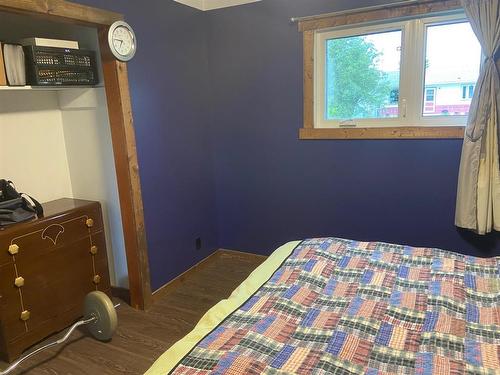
122	41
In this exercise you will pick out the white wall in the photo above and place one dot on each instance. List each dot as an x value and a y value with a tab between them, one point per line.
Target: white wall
32	147
451	94
91	165
214	4
58	144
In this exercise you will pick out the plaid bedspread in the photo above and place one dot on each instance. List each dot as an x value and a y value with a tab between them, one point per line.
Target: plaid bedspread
345	307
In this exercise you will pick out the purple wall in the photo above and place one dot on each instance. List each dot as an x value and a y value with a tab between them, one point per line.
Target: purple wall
168	89
217	100
272	187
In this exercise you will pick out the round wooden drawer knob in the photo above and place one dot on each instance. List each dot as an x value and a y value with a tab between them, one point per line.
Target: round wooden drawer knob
93	250
25	315
13	249
97	279
19	282
89	223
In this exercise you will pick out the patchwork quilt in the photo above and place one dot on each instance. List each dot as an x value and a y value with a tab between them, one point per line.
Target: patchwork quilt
343	307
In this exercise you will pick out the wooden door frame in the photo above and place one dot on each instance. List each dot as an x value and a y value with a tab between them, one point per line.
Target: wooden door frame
122	132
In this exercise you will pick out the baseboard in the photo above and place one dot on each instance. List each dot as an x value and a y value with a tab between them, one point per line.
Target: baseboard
122	293
242	253
174	284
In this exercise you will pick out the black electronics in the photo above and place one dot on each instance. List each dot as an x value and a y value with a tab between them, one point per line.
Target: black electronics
51	66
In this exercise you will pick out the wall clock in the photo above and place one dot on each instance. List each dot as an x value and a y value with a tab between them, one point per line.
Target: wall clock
122	41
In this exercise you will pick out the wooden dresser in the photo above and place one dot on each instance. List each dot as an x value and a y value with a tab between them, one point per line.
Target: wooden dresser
47	266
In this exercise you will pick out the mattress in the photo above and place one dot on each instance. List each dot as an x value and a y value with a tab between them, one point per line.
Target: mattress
336	306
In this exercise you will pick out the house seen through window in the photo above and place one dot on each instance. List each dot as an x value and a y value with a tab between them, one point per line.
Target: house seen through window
410	73
452	62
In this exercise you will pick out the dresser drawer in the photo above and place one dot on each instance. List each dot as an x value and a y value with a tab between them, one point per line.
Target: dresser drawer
47	267
32	239
56	280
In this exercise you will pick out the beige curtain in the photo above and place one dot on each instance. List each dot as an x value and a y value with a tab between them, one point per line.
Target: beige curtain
478	195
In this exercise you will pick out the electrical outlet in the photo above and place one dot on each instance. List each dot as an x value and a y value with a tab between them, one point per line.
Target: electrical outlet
198	243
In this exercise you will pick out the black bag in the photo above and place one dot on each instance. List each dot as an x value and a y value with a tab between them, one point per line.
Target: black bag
14	207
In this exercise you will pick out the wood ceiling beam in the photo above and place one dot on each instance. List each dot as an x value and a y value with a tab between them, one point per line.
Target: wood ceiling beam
62	10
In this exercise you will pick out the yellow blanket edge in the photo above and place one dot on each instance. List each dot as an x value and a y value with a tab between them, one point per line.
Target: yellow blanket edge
213	317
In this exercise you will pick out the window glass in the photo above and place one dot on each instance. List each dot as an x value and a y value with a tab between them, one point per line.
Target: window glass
429	95
471	91
362	76
452	62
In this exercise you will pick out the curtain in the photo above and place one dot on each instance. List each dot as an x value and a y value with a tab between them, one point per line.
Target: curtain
478	194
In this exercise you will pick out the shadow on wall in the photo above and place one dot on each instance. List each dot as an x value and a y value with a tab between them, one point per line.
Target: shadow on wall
33	101
487	243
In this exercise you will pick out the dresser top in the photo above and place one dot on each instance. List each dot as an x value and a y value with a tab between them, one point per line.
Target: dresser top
52	209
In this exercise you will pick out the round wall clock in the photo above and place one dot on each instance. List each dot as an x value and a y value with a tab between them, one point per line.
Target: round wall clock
122	41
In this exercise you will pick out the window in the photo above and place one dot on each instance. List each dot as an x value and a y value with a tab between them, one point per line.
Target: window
430	100
362	75
452	58
400	74
468	92
430	95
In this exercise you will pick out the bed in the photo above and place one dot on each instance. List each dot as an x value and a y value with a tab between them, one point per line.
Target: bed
336	306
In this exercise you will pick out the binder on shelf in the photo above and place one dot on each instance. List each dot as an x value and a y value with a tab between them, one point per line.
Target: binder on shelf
45	42
3	77
15	69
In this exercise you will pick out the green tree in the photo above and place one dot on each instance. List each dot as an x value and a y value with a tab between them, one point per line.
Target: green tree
356	87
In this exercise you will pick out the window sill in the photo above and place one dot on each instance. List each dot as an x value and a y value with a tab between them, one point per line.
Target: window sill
407	132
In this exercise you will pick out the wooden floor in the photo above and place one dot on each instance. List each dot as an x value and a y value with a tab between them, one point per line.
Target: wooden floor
143	336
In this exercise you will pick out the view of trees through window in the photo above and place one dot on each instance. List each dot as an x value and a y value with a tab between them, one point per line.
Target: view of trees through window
362	76
363	73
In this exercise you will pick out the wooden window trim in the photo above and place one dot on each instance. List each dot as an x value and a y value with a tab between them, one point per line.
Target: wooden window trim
403	132
309	27
122	132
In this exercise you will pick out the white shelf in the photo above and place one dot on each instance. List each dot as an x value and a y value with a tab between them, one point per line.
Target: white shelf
43	88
